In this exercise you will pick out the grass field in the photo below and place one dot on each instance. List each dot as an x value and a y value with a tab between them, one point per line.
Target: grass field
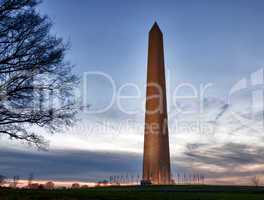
139	193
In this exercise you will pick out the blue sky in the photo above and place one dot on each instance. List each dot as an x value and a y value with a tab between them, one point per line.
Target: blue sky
205	41
218	42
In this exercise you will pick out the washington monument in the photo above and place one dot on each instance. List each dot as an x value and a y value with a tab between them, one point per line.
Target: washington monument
156	161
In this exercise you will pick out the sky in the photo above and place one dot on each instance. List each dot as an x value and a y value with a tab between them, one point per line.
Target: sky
216	45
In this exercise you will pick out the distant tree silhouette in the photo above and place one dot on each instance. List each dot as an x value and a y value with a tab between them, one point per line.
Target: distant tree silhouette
84	186
202	179
34	186
199	178
122	180
256	181
15	181
49	185
33	74
138	178
132	179
190	178
75	186
2	180
127	178
30	179
41	187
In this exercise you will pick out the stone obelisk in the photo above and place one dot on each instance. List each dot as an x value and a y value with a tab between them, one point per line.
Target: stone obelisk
156	161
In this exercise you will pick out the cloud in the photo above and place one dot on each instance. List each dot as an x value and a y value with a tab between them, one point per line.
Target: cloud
227	159
75	165
112	144
69	164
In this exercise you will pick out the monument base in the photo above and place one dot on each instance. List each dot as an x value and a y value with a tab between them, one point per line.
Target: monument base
145	183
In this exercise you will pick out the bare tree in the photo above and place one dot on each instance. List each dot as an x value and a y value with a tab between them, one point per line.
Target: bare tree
36	84
255	181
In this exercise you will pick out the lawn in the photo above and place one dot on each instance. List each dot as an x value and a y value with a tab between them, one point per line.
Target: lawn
139	193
